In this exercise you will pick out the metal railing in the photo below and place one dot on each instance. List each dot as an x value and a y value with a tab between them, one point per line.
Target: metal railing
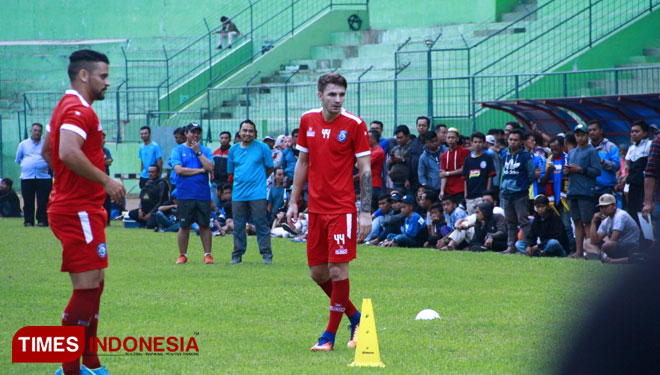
187	71
276	108
539	40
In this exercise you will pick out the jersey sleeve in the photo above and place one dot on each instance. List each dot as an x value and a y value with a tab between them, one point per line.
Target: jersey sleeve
78	121
268	156
230	160
361	145
302	136
490	167
207	152
175	157
159	152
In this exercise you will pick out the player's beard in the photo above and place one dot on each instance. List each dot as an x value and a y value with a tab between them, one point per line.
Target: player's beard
99	95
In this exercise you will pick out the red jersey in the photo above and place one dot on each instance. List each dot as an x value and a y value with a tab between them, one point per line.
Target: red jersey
71	192
333	147
377	162
451	161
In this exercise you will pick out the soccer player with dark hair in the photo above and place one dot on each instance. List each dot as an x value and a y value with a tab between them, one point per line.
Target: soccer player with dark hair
73	146
331	139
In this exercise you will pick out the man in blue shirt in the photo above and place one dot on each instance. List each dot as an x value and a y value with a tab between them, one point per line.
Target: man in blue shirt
35	177
250	161
290	158
192	163
413	231
149	154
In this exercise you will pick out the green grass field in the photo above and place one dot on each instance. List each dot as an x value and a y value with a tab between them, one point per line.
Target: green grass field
500	314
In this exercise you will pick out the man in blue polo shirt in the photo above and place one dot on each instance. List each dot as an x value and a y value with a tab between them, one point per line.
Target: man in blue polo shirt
250	161
149	154
192	163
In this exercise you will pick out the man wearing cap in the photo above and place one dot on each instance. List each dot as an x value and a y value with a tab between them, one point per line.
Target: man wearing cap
582	167
192	163
413	231
251	161
613	232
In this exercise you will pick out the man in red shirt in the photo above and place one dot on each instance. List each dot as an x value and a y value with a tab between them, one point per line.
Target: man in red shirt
73	147
330	141
377	161
451	164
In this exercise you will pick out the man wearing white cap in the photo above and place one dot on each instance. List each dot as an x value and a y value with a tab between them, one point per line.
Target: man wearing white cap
613	232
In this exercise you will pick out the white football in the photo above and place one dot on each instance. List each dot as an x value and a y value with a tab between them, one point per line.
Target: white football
427	314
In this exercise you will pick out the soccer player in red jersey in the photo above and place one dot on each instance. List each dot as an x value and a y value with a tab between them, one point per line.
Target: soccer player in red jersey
330	141
73	147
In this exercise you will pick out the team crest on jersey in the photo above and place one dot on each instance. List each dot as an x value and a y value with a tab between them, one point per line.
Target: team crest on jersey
102	250
311	133
341	137
482	164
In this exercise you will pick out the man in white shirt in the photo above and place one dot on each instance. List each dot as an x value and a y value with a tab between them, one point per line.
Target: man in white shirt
35	177
465	227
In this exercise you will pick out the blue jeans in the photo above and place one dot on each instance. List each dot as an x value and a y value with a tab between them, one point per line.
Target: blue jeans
256	210
375	228
166	223
553	248
402	240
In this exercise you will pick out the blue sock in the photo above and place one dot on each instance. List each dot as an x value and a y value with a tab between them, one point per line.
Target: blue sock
327	337
355	319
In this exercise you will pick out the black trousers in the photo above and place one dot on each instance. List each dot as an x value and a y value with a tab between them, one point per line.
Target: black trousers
39	187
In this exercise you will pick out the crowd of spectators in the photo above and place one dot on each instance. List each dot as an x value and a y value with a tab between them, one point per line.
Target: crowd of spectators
512	190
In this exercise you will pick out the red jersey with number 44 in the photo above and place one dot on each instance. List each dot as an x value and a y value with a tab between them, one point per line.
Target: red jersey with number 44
72	192
333	148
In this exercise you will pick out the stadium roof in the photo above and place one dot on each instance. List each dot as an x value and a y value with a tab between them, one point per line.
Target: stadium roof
615	112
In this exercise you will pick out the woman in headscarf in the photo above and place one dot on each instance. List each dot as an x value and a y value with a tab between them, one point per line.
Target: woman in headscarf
489	230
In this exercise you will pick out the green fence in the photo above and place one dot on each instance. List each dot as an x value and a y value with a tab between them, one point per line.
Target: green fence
184	73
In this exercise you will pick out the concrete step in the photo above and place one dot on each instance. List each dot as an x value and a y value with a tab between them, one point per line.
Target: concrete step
333	52
651	51
644	59
356	37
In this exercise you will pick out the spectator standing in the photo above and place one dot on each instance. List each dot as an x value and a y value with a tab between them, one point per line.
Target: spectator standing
636	160
149	153
556	187
547	236
228	30
530	141
153	195
478	173
192	163
428	170
608	155
251	161
10	205
220	174
441	131
277	153
35	177
179	138
613	232
517	175
582	167
377	159
290	158
451	164
417	147
398	163
651	209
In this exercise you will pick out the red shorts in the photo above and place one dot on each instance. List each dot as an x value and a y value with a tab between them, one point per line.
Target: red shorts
331	238
83	239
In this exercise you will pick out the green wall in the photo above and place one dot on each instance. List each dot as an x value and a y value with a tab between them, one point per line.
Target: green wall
87	19
385	14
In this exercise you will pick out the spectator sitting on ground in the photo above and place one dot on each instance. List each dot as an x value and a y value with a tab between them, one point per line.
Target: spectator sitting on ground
452	214
398	163
547	236
228	30
464	228
224	218
393	222
166	216
413	231
490	231
10	205
434	224
154	193
614	233
384	211
278	228
276	194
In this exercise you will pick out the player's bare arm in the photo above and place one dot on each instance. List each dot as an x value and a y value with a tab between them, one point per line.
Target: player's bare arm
71	154
45	150
366	189
299	179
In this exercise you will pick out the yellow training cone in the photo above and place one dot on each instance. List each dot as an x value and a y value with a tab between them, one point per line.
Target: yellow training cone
367	352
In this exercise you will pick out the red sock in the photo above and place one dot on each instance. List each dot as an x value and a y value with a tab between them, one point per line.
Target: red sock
327	288
338	302
79	312
90	357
